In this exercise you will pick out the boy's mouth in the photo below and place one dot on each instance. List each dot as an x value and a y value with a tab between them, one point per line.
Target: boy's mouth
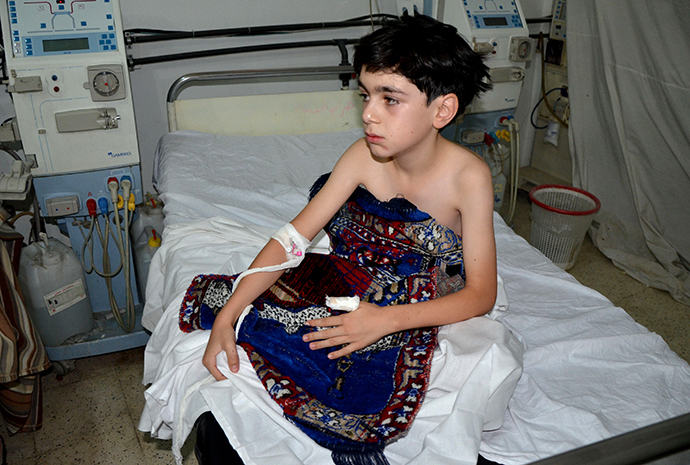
373	138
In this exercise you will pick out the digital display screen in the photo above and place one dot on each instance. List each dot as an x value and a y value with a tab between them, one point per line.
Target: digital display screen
496	21
66	45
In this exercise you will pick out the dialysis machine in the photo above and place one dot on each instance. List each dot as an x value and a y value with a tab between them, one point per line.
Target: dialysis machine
498	29
68	76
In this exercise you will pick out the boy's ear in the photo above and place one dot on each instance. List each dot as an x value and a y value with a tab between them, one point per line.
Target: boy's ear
447	108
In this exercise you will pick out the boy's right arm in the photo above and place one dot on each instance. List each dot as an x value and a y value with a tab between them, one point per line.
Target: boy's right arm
222	337
340	185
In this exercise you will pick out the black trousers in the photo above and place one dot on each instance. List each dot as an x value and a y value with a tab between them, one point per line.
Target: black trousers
213	448
212	445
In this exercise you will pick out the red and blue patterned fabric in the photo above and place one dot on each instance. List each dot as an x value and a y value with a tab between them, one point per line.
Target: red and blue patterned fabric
387	253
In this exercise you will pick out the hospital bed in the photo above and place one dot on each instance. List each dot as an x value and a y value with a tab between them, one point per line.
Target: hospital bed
232	170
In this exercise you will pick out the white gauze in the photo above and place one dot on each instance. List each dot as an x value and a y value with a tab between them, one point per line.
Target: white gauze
295	246
343	303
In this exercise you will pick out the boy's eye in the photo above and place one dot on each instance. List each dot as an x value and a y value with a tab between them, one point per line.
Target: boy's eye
364	96
391	100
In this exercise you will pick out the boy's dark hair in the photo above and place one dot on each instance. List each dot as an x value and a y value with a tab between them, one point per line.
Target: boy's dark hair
431	54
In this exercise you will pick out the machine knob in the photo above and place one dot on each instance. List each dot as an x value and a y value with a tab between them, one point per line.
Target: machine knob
112	121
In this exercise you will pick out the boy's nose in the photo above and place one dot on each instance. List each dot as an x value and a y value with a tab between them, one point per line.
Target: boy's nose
368	115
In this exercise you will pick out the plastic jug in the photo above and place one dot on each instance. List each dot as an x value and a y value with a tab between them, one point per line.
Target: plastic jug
146	234
144	248
55	293
150	213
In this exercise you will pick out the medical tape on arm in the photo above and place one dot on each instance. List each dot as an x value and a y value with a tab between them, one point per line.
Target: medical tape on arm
295	246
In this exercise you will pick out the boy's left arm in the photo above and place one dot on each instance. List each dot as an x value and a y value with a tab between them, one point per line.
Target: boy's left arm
369	323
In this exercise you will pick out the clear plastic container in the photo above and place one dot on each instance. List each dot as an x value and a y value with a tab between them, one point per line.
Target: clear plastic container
144	248
561	216
146	234
150	213
55	293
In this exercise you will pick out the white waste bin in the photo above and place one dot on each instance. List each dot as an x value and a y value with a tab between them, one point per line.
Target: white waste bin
561	216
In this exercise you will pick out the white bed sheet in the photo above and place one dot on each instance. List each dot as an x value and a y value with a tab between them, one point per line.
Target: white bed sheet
590	371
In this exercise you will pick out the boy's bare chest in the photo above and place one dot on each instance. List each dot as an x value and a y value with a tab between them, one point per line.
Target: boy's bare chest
435	199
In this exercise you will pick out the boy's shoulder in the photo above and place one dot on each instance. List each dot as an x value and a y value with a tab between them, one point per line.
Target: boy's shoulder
467	174
464	160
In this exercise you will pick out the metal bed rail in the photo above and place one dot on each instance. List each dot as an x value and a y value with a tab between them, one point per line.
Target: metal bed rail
666	442
214	78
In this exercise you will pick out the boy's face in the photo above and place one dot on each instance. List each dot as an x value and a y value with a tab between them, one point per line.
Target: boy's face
395	114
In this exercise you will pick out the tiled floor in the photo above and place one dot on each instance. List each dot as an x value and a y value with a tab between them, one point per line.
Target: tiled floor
91	414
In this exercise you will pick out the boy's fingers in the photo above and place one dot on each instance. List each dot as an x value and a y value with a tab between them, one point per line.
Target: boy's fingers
345	350
233	360
213	369
328	321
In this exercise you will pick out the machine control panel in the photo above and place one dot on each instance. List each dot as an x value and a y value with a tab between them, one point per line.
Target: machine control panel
67	71
58	27
492	14
498	29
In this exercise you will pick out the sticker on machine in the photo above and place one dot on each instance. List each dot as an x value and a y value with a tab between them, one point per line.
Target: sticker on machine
63	298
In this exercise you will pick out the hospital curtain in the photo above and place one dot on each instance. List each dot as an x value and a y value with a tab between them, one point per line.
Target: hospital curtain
629	85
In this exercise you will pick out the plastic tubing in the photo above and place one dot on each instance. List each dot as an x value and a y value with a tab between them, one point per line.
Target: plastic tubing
128	323
104	238
515	166
88	240
126	184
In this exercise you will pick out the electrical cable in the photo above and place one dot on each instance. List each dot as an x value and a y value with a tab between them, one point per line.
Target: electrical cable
10	152
12	220
531	118
543	82
133	62
140	36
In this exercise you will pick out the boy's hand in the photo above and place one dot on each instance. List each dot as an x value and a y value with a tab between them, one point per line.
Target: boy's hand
354	330
222	339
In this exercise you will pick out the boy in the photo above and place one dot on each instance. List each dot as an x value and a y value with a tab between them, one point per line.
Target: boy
415	76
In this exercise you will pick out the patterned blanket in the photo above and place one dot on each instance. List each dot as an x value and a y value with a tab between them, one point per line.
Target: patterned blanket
386	253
